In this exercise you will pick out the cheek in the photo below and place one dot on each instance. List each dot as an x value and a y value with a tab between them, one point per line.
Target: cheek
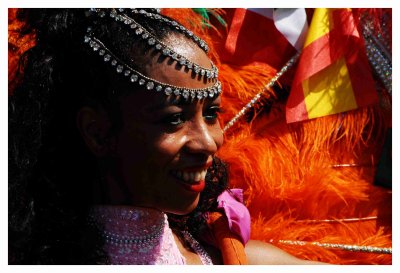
168	147
217	134
133	146
143	147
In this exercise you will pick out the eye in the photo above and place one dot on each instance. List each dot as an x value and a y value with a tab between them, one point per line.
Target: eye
211	113
174	119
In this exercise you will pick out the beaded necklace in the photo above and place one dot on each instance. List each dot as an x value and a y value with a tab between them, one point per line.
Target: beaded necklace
140	236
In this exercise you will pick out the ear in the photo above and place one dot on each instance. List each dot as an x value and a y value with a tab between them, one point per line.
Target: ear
94	126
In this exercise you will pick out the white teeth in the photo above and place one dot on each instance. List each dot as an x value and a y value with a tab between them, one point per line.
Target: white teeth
191	176
203	175
197	176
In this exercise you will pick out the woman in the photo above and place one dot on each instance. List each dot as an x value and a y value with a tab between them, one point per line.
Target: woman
114	127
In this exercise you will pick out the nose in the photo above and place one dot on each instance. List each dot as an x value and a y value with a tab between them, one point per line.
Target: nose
204	138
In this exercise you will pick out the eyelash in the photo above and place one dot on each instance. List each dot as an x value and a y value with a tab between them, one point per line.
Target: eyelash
211	115
175	119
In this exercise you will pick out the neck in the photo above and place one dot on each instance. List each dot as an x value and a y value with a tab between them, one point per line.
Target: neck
110	188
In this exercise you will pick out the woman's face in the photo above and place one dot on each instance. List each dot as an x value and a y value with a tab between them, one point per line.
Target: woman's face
166	144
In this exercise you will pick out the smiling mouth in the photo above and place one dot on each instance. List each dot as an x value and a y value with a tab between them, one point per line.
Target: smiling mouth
193	181
190	177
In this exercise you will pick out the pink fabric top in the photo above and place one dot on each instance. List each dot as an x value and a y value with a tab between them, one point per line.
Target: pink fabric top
136	235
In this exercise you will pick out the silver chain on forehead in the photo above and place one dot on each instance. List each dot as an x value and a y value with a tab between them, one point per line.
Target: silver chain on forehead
139	78
141	33
174	24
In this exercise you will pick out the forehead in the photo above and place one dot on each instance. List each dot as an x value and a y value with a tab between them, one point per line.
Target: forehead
171	72
160	68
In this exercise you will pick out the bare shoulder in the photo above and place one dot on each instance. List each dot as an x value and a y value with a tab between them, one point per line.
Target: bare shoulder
258	252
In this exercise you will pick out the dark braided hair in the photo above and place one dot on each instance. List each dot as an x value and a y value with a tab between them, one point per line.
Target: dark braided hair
49	164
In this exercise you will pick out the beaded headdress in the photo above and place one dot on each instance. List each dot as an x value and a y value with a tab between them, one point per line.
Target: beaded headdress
140	33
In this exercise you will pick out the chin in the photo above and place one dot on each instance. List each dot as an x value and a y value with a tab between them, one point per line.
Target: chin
186	208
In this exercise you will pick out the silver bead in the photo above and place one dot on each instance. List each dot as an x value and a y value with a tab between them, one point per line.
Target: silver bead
139	31
120	68
134	78
150	85
168	91
185	94
177	92
165	51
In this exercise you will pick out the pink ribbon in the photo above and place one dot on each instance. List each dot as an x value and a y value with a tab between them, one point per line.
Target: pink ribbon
230	202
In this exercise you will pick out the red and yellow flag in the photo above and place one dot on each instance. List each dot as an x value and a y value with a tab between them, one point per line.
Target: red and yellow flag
254	39
333	74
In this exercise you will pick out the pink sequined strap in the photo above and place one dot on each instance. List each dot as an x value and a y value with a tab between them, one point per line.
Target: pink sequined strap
231	202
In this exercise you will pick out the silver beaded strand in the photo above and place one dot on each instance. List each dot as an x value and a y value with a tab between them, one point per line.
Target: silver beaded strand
142	33
150	83
253	101
353	248
201	43
204	257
